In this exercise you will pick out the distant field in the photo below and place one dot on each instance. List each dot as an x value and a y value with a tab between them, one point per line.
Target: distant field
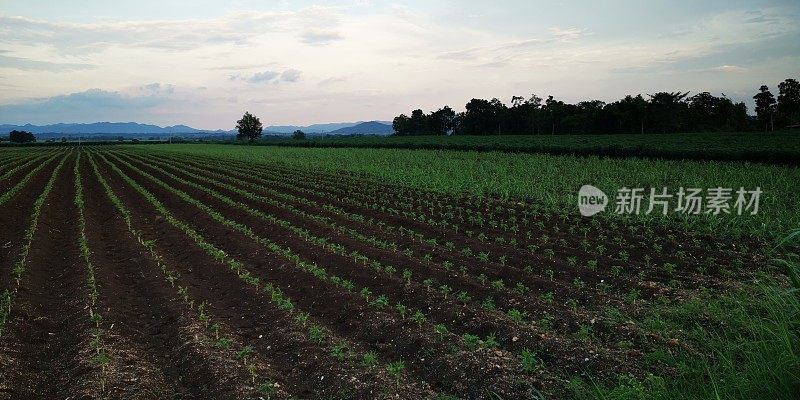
777	147
544	181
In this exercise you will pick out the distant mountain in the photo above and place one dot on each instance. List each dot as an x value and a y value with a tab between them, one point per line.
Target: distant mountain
137	129
314	128
366	128
113	128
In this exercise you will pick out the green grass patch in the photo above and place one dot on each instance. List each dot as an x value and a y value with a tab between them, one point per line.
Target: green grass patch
741	345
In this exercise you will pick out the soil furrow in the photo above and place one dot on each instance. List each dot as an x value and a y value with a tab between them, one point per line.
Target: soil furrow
252	318
46	351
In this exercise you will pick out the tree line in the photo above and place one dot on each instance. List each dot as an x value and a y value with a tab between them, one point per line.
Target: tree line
662	112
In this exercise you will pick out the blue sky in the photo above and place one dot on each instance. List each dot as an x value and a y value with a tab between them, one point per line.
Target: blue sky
203	63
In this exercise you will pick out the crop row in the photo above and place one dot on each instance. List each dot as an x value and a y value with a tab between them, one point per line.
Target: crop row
514	294
379	302
8	295
245	353
339	349
10	193
605	253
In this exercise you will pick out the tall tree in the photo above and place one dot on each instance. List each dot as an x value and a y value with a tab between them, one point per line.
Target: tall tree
401	125
765	107
666	110
789	100
440	122
418	122
632	113
249	127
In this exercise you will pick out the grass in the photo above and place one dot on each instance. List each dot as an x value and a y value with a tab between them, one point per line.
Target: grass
747	348
546	181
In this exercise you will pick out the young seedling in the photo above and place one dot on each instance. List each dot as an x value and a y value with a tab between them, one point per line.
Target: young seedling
491	341
488	304
401	309
380	302
370	358
267	389
530	362
407	275
301	318
419	317
471	341
516	315
339	351
245	352
316	334
395	369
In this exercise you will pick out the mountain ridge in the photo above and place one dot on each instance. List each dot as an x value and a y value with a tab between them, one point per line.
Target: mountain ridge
135	128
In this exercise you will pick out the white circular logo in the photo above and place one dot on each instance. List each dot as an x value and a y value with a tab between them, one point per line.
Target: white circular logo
591	200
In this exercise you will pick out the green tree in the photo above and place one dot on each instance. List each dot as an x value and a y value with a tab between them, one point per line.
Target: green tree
298	135
789	100
401	125
21	137
667	110
249	127
765	107
441	121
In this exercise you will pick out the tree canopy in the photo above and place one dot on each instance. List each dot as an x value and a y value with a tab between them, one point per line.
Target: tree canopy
21	137
249	127
660	112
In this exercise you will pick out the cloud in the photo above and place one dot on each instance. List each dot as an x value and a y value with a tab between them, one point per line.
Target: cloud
566	35
27	64
239	28
288	75
320	38
265	76
242	67
155	88
460	55
291	75
729	68
332	80
500	54
87	106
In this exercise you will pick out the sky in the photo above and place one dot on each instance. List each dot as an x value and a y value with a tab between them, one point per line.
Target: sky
203	63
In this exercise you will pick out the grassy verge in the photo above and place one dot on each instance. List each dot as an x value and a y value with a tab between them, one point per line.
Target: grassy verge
740	345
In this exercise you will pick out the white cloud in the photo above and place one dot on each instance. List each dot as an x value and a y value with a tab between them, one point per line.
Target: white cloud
265	76
729	68
320	38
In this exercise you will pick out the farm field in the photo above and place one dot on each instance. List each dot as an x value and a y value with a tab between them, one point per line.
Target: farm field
195	271
782	147
545	182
